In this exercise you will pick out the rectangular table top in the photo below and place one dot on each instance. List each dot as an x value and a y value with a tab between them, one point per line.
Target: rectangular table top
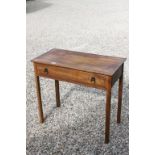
101	64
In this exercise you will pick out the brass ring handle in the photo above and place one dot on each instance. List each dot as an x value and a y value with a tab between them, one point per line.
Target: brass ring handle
93	79
46	70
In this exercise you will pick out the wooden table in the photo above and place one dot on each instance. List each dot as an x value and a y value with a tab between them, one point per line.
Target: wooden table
91	70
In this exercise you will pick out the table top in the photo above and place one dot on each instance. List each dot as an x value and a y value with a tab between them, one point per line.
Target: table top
88	62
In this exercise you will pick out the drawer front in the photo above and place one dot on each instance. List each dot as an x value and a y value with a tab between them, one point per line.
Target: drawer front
71	75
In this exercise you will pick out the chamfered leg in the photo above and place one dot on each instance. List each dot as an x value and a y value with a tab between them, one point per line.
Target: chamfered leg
40	110
57	93
120	90
107	121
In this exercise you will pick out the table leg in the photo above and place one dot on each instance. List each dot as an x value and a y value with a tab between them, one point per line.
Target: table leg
57	93
120	89
107	121
40	110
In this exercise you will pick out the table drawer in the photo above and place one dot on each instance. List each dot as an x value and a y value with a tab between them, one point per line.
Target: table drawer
72	75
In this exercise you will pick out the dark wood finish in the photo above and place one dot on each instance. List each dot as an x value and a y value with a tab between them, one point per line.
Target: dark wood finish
41	117
117	74
40	109
93	63
72	75
91	70
107	121
120	90
57	93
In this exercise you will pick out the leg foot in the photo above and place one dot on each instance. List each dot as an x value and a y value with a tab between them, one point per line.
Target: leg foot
57	93
40	110
119	99
107	122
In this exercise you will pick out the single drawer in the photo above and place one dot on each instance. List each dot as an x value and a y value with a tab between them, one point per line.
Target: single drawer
72	75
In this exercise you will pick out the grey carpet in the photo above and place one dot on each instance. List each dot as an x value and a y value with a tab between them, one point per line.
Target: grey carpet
77	127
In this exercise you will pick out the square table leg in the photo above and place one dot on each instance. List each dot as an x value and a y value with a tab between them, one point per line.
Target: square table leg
120	90
40	110
57	93
107	121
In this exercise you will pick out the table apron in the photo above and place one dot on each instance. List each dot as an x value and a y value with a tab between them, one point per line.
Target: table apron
74	76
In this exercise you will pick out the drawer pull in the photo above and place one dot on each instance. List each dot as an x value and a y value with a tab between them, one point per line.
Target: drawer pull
92	79
46	70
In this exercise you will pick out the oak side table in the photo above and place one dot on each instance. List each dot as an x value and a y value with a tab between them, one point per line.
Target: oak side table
91	70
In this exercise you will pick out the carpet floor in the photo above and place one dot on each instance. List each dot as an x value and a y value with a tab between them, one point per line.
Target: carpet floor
77	127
